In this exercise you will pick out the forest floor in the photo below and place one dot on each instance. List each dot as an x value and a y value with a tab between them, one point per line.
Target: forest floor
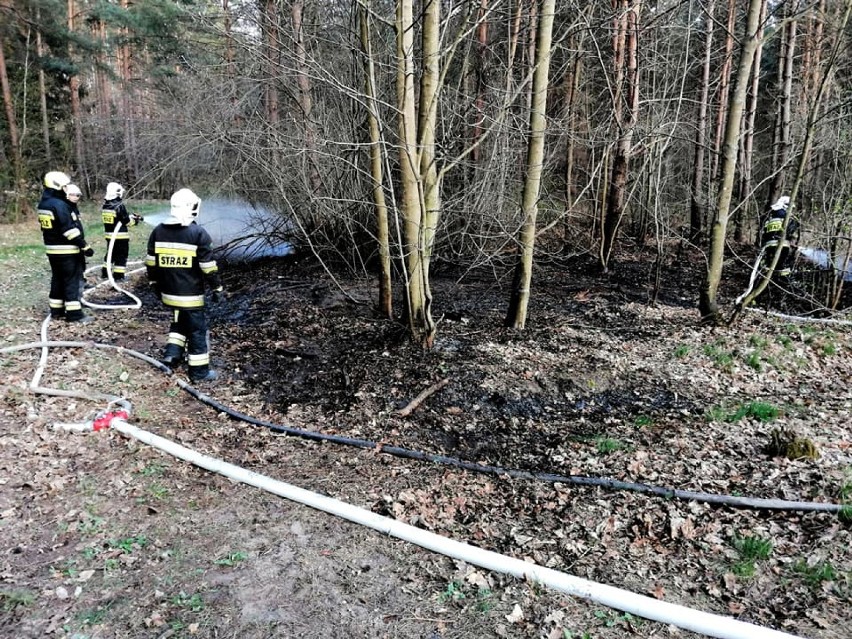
105	537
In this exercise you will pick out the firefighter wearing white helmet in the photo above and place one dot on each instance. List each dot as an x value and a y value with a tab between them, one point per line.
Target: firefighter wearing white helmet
180	263
115	216
65	244
773	234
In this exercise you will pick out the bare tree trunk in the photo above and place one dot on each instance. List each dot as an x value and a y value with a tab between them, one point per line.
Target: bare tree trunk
230	56
269	27
814	41
479	101
305	101
749	211
127	105
784	136
376	172
571	88
516	316
103	82
42	95
76	110
420	322
14	135
698	207
626	116
708	304
9	104
515	35
724	88
430	88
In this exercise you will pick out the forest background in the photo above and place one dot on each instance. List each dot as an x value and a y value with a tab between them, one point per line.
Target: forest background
393	136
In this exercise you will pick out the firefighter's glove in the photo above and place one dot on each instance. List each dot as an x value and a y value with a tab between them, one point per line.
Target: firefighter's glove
217	296
88	251
154	288
137	218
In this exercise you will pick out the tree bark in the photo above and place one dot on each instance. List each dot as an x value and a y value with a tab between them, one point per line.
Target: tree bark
42	97
305	99
784	137
516	316
708	303
420	322
269	29
127	104
626	116
479	101
698	206
76	110
724	87
376	171
571	89
748	210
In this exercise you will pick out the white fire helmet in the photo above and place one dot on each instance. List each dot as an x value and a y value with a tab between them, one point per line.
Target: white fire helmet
185	207
782	203
56	180
114	191
72	190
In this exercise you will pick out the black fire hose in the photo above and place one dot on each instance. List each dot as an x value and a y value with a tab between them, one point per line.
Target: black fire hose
756	503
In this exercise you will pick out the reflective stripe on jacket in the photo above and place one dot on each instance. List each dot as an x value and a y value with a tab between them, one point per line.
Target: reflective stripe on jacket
180	262
61	228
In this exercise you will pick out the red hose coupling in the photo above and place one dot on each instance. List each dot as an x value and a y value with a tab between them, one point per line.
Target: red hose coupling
105	421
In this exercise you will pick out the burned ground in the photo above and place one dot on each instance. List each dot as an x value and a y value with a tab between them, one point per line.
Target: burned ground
106	538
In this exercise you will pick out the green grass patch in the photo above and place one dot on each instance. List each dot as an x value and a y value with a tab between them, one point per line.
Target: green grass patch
231	559
607	445
484	600
760	411
453	592
753	360
751	549
722	358
642	420
129	544
93	617
14	598
814	575
194	603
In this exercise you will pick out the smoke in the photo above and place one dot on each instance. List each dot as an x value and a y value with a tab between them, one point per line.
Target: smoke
821	258
241	231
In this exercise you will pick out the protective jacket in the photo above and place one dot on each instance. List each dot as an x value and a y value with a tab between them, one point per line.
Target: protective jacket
65	244
112	212
61	227
179	263
772	229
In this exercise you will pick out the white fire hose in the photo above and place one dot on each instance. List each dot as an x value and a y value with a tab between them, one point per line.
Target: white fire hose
705	623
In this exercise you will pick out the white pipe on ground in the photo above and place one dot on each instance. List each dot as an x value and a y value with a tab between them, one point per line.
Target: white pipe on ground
705	623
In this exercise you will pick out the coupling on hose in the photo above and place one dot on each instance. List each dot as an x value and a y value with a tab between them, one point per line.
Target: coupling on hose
102	421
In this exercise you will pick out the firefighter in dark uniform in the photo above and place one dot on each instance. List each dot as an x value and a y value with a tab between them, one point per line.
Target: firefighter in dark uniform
773	235
179	263
114	215
73	195
66	247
